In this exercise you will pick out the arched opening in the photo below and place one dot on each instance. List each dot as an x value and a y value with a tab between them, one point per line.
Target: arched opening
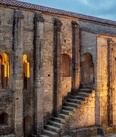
66	65
4	70
27	126
4	119
26	71
87	70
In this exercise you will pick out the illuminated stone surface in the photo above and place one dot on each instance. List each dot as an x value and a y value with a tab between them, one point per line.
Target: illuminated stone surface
78	90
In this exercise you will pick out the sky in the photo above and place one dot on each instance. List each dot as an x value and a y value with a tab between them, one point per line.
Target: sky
99	8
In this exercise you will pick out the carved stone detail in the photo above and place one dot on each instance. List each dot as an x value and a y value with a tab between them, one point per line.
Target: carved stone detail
18	14
74	24
39	18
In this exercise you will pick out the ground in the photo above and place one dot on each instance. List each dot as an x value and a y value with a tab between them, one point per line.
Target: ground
110	135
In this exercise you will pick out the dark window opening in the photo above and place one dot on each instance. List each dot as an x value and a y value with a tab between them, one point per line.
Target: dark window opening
4	119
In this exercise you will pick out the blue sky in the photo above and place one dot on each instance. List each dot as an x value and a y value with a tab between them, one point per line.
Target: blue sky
99	8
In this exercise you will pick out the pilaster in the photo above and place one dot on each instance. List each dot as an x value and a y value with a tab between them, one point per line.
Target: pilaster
57	67
75	55
18	71
39	79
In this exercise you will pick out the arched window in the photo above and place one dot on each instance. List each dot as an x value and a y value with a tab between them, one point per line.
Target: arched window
4	70
87	72
3	119
26	70
65	65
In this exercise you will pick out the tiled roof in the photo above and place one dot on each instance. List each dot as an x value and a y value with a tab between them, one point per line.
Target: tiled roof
54	11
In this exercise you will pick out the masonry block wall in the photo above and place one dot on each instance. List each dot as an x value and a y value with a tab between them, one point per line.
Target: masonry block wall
80	45
84	116
6	98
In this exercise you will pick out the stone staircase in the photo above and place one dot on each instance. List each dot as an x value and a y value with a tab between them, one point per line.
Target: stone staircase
56	126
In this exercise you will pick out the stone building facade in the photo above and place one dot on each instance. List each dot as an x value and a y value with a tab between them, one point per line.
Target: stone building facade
48	55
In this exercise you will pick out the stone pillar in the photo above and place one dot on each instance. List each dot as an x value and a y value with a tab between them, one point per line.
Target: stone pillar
17	84
101	100
75	56
39	90
0	73
57	67
111	83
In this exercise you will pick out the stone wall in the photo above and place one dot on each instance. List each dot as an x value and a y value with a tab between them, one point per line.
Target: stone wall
66	49
105	92
84	116
102	89
88	45
39	35
6	95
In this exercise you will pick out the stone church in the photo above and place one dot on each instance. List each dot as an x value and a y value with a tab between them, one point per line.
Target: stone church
57	72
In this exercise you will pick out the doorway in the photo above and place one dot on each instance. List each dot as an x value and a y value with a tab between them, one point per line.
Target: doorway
27	126
87	71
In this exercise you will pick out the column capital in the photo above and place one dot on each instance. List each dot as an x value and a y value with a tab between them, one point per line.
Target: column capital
19	14
74	24
109	40
39	18
57	24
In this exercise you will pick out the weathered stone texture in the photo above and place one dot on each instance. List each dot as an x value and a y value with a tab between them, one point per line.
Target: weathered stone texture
6	97
48	61
28	47
84	116
66	32
102	79
97	28
35	105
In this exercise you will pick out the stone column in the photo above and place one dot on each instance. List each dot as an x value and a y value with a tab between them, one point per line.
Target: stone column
0	73
57	67
17	84
111	83
75	56
39	90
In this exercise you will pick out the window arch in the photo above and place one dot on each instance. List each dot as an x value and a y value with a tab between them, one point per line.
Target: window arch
66	65
26	70
4	70
4	119
87	70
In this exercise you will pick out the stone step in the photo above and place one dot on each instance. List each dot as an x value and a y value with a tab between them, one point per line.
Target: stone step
68	108
50	133
57	124
74	101
52	128
71	104
84	94
58	119
78	97
68	112
44	136
65	116
86	90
